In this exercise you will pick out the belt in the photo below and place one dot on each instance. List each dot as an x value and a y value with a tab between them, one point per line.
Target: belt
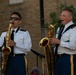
19	54
61	55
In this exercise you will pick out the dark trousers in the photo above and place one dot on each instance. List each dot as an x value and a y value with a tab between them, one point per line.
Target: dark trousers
63	65
16	65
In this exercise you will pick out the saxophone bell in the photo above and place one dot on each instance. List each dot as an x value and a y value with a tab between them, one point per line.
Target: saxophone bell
44	42
6	50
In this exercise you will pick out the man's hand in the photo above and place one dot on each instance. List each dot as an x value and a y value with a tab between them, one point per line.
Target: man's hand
54	41
11	43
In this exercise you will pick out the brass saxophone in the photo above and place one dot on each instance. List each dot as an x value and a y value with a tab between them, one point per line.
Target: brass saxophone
49	52
6	50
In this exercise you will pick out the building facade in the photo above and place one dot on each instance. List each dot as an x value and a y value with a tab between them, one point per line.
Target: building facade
30	11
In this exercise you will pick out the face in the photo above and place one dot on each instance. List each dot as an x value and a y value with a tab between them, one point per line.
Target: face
66	17
15	20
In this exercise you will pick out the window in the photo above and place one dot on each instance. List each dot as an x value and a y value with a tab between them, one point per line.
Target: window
15	1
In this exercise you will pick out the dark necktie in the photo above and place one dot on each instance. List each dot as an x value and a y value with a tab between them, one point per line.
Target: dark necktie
12	38
59	37
12	35
60	33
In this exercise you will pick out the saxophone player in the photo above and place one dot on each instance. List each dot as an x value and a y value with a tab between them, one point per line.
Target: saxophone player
21	44
65	45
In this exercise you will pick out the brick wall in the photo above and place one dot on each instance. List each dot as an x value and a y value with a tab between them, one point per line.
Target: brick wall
30	11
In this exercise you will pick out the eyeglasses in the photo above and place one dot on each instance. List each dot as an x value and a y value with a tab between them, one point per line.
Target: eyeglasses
14	18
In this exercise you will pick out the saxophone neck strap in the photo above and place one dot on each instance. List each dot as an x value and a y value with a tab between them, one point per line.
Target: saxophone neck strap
70	27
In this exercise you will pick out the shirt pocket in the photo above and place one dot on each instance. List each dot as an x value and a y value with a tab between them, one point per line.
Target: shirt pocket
19	39
65	37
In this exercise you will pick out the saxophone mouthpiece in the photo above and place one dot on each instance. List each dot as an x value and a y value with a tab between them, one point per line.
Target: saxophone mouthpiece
12	22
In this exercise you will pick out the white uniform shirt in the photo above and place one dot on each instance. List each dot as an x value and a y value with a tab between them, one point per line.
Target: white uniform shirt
68	41
22	39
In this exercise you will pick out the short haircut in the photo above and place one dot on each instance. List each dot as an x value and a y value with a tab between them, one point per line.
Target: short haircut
17	13
69	10
35	69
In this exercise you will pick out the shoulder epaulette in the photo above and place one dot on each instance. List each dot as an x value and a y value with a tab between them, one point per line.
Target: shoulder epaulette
72	26
22	30
4	31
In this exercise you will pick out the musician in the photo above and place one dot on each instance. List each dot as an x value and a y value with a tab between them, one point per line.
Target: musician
21	44
66	43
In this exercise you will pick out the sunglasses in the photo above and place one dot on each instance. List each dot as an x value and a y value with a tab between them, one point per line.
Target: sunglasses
14	18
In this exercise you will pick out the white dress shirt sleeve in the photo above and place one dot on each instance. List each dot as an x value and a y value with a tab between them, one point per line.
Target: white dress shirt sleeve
2	38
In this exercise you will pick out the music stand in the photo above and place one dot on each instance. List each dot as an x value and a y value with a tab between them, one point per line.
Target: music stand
37	54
